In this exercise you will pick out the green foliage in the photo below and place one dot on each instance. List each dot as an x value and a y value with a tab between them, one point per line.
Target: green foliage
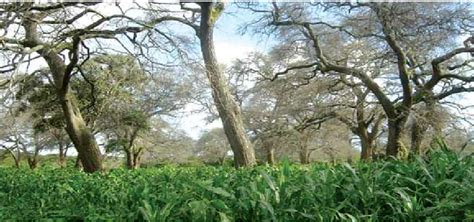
438	187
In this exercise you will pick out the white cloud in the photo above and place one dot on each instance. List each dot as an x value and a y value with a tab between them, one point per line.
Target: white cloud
228	51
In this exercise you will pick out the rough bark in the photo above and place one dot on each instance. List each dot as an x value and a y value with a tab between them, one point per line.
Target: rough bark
80	135
136	160
417	135
395	146
366	146
228	109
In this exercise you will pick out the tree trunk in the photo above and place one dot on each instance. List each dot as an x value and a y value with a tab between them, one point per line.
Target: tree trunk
366	148
80	135
417	135
62	155
32	162
129	157
136	159
304	150
366	142
269	150
304	154
228	109
270	155
395	147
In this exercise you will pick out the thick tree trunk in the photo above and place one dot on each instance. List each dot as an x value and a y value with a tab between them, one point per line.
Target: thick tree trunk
81	136
130	159
394	142
417	135
228	109
366	148
76	128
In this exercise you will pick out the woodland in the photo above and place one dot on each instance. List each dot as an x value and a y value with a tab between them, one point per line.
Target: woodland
352	111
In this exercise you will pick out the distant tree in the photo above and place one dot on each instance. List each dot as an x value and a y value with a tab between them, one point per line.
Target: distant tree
212	146
410	44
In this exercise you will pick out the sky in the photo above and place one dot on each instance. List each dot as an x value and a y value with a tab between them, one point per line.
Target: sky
229	45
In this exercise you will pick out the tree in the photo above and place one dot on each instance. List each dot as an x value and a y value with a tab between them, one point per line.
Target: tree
227	108
212	146
52	32
407	54
126	98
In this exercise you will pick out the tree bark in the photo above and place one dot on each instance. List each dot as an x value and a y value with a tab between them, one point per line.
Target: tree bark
417	135
394	142
80	135
228	109
366	147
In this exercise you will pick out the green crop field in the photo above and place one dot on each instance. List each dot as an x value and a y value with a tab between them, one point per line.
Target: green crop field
438	187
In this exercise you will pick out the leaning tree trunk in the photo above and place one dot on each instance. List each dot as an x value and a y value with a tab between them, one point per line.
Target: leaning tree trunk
81	136
76	128
228	109
16	158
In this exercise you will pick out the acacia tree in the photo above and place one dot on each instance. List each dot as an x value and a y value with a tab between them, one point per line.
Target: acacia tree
409	54
53	32
360	115
202	18
126	98
212	146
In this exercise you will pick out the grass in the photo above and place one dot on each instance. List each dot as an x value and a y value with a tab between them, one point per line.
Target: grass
439	187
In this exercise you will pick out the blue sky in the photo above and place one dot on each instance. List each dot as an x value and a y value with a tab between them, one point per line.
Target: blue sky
229	45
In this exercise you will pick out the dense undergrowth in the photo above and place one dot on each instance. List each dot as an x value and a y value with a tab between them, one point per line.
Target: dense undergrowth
437	187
